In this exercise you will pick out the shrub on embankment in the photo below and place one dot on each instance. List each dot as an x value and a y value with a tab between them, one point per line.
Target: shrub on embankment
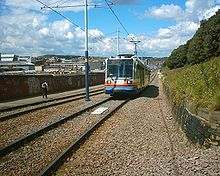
198	84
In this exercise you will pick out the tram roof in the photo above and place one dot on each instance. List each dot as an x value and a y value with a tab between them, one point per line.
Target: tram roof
124	56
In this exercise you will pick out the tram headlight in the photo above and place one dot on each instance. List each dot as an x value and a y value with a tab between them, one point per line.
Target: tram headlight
129	82
108	82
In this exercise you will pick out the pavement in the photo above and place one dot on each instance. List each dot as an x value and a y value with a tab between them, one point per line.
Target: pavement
39	99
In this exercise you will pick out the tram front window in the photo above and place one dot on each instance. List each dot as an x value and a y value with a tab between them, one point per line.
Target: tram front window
119	68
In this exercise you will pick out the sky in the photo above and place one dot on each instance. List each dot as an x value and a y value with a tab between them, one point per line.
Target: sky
27	27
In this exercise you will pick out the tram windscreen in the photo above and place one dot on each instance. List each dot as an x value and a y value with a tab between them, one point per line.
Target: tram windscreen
119	68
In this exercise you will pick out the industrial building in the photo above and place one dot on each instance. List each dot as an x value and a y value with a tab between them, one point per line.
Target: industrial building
12	62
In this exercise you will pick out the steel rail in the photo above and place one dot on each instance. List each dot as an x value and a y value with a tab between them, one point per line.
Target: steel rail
81	96
54	165
18	143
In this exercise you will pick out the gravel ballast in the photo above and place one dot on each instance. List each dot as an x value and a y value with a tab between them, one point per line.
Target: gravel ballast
25	124
37	154
142	138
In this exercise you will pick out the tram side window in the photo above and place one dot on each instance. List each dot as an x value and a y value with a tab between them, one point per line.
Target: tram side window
137	72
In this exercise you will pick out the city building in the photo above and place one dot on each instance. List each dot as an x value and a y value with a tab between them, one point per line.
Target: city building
12	62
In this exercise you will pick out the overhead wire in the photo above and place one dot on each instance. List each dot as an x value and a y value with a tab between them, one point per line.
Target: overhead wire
79	5
45	5
117	18
66	6
108	4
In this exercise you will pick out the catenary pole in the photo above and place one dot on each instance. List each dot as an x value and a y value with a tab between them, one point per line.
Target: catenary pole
117	41
135	42
86	53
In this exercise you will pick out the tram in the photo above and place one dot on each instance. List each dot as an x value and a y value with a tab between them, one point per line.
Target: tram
125	74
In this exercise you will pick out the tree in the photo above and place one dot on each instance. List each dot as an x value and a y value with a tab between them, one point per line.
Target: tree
178	57
204	45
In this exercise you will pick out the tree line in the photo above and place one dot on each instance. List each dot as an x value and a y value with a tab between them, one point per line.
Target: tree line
204	45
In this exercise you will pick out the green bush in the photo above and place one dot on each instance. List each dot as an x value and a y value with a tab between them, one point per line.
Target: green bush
199	84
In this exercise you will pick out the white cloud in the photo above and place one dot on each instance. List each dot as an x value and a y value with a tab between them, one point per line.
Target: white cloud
187	23
184	28
25	29
166	33
168	39
158	46
69	35
209	12
44	31
22	4
30	33
79	33
164	12
197	10
95	33
35	23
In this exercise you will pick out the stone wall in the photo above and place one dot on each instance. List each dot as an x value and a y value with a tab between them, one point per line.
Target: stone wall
21	86
202	127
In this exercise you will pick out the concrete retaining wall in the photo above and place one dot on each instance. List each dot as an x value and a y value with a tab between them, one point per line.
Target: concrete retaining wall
20	86
202	128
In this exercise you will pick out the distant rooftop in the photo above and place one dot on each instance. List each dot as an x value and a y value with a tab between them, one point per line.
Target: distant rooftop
8	57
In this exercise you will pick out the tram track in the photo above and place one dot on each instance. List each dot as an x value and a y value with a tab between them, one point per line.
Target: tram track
14	112
35	139
54	165
25	124
47	148
18	143
15	129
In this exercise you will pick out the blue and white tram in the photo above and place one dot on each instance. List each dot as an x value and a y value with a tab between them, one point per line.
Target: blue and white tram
125	74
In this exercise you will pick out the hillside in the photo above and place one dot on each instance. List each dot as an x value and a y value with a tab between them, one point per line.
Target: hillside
204	45
198	84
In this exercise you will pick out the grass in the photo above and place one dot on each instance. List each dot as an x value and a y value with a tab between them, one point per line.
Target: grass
198	84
